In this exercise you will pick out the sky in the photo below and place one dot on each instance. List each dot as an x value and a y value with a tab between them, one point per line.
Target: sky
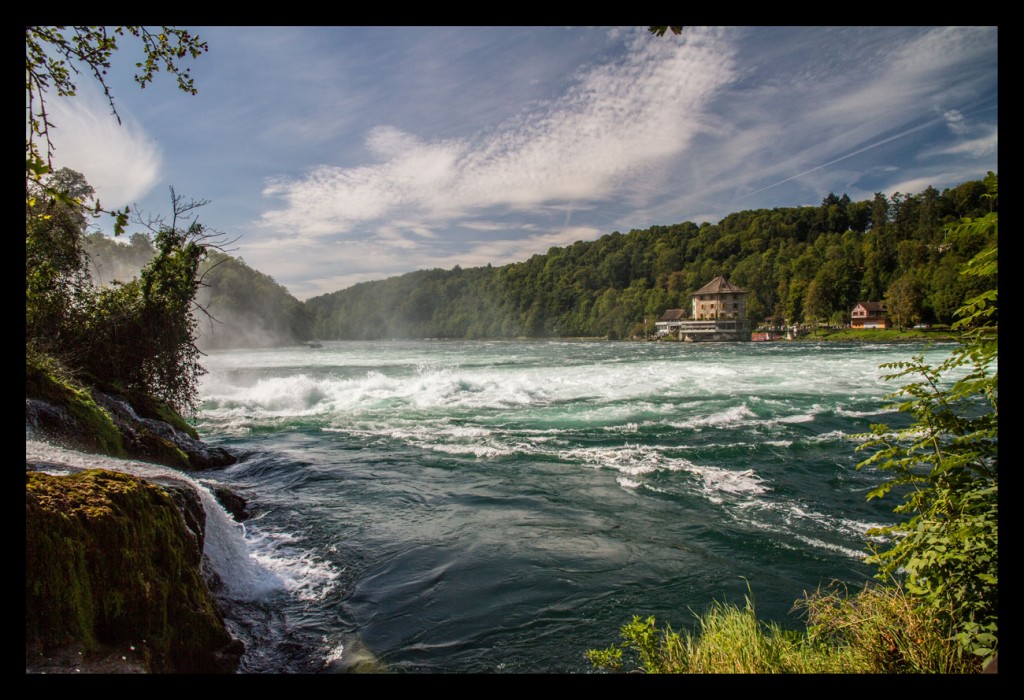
337	155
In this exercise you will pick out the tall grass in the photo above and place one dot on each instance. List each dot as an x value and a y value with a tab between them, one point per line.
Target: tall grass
886	630
878	630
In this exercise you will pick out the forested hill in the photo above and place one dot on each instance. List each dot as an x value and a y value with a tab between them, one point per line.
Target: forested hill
247	308
238	306
799	264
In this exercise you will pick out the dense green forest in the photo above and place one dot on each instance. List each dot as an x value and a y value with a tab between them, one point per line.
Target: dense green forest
800	264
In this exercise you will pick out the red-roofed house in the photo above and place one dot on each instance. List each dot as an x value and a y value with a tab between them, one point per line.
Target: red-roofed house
869	314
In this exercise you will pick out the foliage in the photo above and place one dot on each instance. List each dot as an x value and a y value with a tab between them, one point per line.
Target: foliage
55	55
903	301
944	466
140	336
56	277
137	337
879	630
241	307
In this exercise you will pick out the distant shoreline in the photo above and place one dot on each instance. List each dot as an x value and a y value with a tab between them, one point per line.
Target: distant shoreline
886	335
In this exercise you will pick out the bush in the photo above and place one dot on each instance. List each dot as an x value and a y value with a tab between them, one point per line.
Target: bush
729	639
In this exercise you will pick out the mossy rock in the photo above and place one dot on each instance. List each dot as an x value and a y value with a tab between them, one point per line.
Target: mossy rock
109	561
46	379
67	412
149	407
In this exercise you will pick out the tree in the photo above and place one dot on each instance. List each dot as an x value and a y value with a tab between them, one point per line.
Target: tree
56	275
140	336
903	300
54	56
816	305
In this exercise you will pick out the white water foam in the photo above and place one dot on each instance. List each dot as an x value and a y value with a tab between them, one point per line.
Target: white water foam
730	416
632	460
820	544
717	481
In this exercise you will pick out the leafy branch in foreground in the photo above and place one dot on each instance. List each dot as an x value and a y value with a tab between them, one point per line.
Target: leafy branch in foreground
55	56
945	466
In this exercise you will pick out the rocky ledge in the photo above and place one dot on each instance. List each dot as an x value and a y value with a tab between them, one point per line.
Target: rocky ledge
126	432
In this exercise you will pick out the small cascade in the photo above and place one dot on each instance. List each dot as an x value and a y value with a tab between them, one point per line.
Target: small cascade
225	547
228	553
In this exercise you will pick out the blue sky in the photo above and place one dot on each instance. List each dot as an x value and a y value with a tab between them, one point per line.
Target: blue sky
337	155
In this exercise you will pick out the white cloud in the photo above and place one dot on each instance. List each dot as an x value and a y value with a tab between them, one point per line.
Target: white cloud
985	145
503	251
621	118
120	161
955	121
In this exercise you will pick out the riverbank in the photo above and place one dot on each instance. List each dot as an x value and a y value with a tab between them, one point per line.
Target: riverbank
872	335
882	335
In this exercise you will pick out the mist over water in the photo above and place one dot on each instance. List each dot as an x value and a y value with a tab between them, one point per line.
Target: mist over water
455	506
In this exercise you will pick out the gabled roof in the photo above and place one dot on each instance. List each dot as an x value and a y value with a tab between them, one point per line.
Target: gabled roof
720	285
875	307
673	315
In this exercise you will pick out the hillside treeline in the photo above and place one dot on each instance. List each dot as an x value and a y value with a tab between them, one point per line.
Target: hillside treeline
800	264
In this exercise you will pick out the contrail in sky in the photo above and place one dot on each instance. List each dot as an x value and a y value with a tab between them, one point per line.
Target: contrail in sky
848	155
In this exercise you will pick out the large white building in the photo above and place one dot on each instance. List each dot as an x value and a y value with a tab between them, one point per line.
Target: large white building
719	313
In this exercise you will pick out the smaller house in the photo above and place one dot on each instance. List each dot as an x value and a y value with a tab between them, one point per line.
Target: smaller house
869	314
669	322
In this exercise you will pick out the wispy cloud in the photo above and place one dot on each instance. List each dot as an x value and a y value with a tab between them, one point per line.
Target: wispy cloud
818	110
121	161
985	145
620	117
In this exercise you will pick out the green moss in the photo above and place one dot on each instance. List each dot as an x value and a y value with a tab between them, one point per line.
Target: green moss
46	378
110	561
160	410
160	449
